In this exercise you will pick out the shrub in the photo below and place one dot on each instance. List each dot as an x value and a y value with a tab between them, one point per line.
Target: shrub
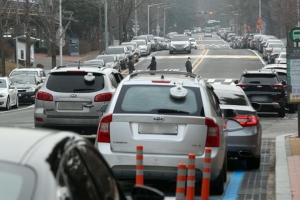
84	47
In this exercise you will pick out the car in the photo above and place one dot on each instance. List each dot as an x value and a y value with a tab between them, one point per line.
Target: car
94	62
136	52
161	42
193	43
188	33
34	70
254	41
147	43
264	86
171	34
269	46
154	44
262	41
110	61
281	59
274	54
229	36
180	43
208	33
122	53
244	130
171	115
142	44
52	164
8	94
27	86
71	97
275	66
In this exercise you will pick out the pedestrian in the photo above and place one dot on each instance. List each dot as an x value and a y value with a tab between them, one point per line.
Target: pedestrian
130	65
188	65
152	65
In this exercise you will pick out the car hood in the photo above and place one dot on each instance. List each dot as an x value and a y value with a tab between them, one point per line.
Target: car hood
3	90
143	47
180	42
110	63
24	86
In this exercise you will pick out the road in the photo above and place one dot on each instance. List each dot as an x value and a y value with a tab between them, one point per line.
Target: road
217	63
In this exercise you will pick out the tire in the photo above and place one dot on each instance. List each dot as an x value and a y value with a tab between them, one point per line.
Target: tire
7	107
17	103
189	51
253	163
292	108
217	188
281	112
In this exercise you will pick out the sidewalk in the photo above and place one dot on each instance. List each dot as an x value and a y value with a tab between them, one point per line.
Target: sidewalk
288	167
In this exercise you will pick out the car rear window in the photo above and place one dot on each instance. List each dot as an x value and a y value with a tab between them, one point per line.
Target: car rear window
17	182
74	82
282	76
150	99
2	83
259	79
231	98
23	72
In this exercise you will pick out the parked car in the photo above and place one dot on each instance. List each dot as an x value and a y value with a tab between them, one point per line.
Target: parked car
180	43
208	33
193	43
110	61
72	97
122	53
50	164
264	86
275	66
27	86
8	94
274	54
95	62
281	59
35	70
188	33
263	41
267	48
142	44
147	43
136	52
254	41
154	44
170	115
244	130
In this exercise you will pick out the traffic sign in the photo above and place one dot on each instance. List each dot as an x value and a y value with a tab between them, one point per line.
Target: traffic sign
260	21
137	30
259	27
295	34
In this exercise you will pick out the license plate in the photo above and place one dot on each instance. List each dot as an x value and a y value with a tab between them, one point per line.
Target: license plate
161	129
70	106
19	95
260	98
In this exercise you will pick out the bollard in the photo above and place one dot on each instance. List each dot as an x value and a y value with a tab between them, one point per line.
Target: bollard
206	175
190	186
139	166
180	186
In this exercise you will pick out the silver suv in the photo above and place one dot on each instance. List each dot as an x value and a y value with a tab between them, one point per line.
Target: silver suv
72	97
180	43
171	115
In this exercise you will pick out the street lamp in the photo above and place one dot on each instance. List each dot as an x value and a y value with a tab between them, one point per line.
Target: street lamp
148	13
165	20
259	12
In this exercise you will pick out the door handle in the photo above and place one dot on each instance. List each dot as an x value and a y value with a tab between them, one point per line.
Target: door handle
88	105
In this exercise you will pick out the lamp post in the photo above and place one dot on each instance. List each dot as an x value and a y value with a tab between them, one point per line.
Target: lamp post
149	14
259	12
165	20
60	34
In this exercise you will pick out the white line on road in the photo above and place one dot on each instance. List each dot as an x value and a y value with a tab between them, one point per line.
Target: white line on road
16	110
211	80
232	83
263	62
228	80
218	83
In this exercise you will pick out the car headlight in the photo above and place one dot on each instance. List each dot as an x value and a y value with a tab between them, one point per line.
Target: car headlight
32	89
3	95
172	45
187	45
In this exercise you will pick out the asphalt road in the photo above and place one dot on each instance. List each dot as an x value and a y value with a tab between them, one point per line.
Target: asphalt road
216	62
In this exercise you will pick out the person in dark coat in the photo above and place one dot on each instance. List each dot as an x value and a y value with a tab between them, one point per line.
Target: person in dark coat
152	65
188	65
130	65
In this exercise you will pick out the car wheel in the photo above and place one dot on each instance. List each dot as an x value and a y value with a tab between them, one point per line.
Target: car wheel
189	51
292	108
195	47
281	112
217	188
17	103
7	103
253	163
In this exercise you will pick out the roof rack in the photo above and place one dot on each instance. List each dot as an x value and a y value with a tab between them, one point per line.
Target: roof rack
197	77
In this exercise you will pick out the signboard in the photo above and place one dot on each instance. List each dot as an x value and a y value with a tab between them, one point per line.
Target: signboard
259	27
295	34
260	21
293	74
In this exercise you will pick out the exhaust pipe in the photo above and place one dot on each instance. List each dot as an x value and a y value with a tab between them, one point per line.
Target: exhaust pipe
243	153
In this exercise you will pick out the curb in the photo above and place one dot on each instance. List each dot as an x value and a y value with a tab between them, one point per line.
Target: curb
283	187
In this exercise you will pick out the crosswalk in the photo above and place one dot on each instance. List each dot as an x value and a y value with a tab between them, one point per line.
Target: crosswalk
222	81
213	46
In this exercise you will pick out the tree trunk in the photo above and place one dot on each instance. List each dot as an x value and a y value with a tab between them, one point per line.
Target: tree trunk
125	32
2	56
27	33
120	21
53	54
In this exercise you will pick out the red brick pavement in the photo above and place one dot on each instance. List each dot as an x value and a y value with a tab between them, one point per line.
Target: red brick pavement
88	56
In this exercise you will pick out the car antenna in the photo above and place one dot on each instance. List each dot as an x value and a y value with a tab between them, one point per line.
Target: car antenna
79	64
162	77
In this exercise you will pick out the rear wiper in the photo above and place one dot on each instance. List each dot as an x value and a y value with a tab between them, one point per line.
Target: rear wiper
172	111
83	89
258	82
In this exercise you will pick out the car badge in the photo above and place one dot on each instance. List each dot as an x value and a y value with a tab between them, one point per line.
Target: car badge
73	95
158	119
259	86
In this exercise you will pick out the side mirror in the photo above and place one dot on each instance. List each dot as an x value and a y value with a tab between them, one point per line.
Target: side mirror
236	81
283	82
229	113
256	106
146	193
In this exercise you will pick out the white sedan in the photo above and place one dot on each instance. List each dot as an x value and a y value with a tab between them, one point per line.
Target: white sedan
8	94
193	43
281	59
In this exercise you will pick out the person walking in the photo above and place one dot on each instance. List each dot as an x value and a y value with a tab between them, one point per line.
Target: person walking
130	65
188	65
152	65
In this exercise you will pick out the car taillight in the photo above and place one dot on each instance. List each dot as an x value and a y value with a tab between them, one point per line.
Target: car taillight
103	97
242	85
44	96
104	129
161	81
213	133
277	87
246	120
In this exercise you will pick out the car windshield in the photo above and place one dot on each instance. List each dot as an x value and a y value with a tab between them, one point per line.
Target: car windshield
60	82
94	62
283	55
17	72
282	75
26	80
17	182
231	97
139	38
153	99
259	79
140	42
150	37
3	83
180	38
272	45
132	44
106	58
115	50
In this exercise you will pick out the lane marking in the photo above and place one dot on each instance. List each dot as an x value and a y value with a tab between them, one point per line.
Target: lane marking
207	56
19	109
198	57
233	187
218	83
232	83
228	80
263	62
201	60
211	80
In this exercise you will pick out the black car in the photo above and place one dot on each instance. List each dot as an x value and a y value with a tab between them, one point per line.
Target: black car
265	88
27	85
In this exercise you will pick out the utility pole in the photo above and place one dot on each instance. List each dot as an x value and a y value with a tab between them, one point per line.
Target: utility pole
106	25
259	13
60	36
135	18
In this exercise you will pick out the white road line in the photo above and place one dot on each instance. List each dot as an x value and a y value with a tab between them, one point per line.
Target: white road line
211	80
218	83
263	62
228	80
16	110
232	83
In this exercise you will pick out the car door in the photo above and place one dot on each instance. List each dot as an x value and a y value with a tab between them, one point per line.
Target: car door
13	92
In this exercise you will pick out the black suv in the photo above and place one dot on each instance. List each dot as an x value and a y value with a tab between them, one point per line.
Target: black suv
265	88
